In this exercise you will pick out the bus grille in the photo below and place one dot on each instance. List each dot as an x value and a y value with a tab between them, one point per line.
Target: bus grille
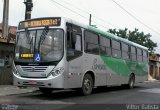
34	68
31	84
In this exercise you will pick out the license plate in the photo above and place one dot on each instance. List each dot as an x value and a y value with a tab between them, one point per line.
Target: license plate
32	82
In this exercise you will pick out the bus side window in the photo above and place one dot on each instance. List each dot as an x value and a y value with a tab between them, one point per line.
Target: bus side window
133	53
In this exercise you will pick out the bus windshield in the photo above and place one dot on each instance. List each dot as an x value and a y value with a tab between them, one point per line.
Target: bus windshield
45	45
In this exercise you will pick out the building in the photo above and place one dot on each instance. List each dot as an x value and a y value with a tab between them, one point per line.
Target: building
11	36
6	54
154	62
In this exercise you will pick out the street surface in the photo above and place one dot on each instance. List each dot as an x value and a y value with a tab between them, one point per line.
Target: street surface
102	99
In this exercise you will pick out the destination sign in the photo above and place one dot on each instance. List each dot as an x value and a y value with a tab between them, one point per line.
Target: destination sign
26	55
40	22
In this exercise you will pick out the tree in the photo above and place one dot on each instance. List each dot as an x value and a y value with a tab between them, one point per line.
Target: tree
136	36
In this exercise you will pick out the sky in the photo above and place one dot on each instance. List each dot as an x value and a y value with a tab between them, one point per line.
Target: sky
141	14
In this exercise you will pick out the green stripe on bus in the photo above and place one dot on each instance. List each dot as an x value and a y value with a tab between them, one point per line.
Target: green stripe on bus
125	67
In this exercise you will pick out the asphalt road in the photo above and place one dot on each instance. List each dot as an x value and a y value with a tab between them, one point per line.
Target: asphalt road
144	96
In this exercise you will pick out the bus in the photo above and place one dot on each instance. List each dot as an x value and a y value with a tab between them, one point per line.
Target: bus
59	53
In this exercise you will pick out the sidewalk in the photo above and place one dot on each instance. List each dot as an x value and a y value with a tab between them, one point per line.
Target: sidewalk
10	90
151	79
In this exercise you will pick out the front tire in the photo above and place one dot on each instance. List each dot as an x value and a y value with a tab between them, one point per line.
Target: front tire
46	90
87	85
131	82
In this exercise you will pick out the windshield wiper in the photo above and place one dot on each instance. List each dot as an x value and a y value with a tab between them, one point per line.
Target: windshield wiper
43	36
29	40
27	35
31	45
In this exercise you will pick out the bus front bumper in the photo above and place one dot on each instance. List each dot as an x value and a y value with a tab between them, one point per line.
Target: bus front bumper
52	82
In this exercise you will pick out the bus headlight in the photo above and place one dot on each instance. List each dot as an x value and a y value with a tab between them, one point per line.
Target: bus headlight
57	71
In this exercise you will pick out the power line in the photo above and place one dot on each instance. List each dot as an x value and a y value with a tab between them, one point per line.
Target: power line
55	5
135	17
76	12
35	3
86	12
68	8
58	5
75	7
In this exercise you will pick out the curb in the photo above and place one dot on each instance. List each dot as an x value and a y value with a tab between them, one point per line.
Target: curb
152	80
13	90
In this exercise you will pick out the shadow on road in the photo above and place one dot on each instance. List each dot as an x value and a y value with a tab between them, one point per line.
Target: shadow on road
65	94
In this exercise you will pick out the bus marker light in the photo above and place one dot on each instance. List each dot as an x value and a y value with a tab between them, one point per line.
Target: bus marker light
69	75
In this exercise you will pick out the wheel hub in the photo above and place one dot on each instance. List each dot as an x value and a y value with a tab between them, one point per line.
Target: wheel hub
87	84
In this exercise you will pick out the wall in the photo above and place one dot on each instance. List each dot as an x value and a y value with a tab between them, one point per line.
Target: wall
6	59
154	63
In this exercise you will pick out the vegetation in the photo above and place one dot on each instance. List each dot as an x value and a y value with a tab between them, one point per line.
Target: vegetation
136	36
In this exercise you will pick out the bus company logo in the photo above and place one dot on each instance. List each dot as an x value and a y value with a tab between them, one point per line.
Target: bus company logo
97	66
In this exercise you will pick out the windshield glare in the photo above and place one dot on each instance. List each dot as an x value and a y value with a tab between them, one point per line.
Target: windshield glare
47	45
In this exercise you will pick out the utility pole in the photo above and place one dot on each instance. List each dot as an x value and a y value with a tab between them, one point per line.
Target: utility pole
90	19
5	18
29	6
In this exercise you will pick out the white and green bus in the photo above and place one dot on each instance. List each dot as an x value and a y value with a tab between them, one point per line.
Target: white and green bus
58	53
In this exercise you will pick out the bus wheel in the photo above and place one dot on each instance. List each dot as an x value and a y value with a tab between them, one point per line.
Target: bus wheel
46	90
87	84
131	82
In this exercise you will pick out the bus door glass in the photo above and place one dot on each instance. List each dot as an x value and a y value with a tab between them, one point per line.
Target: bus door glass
74	42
